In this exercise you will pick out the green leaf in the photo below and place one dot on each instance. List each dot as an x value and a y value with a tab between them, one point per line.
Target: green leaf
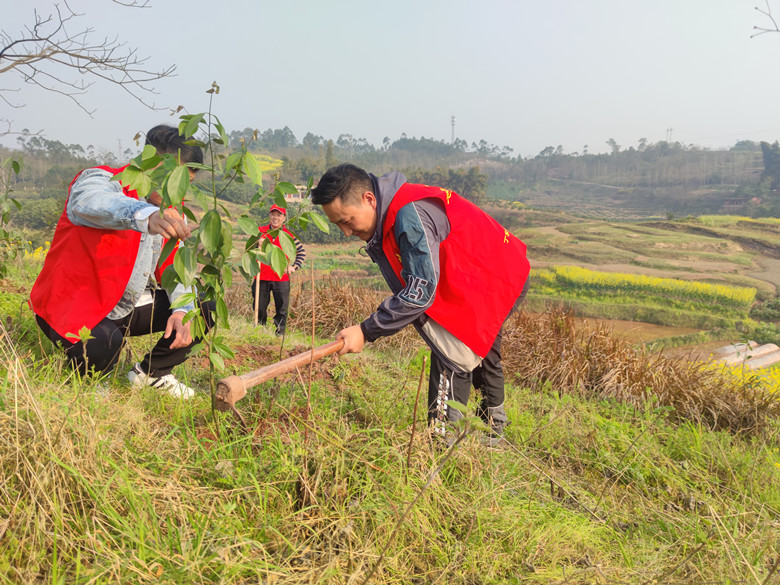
85	334
321	223
287	244
251	241
458	406
253	169
190	124
224	350
170	162
287	188
227	277
279	197
211	231
222	313
217	360
277	260
221	129
227	238
15	202
185	299
247	225
190	315
247	260
181	268
189	213
149	158
198	328
197	347
233	162
16	166
133	178
169	246
168	279
177	184
185	264
226	211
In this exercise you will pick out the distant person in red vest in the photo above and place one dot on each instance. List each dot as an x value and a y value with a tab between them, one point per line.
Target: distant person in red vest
102	273
455	274
271	282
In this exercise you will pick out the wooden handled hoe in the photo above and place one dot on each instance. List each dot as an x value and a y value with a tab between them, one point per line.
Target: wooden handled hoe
233	388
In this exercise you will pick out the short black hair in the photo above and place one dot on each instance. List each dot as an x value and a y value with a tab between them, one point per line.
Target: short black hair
167	140
345	181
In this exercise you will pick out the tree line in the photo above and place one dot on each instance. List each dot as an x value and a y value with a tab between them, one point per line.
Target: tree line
748	171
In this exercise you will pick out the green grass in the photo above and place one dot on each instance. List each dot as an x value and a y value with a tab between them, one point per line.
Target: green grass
730	220
129	486
135	487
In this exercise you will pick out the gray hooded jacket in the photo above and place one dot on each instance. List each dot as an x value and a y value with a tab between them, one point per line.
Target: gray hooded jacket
420	227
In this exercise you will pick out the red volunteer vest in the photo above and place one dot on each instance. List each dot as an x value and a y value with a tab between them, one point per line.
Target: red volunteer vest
482	267
85	273
266	272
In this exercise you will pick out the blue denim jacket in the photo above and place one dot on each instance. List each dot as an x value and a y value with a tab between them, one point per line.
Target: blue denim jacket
97	201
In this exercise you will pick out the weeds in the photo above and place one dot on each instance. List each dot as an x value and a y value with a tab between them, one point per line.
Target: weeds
103	484
548	349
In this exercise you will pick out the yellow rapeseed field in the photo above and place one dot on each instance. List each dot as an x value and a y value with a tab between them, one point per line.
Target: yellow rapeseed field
575	277
268	163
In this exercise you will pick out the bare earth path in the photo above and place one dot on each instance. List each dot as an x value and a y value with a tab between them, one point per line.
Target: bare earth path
770	272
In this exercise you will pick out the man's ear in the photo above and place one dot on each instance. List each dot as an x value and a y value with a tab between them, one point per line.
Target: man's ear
370	198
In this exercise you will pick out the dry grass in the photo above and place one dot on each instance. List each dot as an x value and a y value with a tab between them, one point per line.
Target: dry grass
339	305
134	488
550	348
590	361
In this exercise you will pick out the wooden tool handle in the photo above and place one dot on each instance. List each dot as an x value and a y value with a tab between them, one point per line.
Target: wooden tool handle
233	388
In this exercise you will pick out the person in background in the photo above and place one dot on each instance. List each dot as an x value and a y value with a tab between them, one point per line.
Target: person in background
268	281
454	272
103	273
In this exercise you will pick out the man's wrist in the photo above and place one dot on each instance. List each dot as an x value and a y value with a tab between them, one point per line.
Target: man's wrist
366	335
141	218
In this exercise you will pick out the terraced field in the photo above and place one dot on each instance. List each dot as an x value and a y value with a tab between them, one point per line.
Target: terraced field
742	253
731	251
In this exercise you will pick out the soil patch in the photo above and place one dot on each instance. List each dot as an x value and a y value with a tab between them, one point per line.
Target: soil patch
636	332
770	272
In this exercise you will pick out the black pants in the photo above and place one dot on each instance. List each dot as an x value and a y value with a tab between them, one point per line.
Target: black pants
487	378
101	353
281	292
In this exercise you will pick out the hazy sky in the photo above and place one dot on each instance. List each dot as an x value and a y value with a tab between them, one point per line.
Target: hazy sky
521	73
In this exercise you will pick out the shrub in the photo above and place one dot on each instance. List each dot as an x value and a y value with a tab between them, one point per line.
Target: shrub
548	349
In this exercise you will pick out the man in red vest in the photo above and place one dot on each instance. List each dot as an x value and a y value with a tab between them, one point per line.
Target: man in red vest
455	274
102	274
268	281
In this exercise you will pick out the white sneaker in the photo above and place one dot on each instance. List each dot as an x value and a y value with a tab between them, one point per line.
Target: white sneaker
139	378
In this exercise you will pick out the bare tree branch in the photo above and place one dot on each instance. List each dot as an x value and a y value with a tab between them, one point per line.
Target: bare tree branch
47	54
768	13
134	3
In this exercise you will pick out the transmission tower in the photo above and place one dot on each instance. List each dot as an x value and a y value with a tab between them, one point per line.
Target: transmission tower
452	120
